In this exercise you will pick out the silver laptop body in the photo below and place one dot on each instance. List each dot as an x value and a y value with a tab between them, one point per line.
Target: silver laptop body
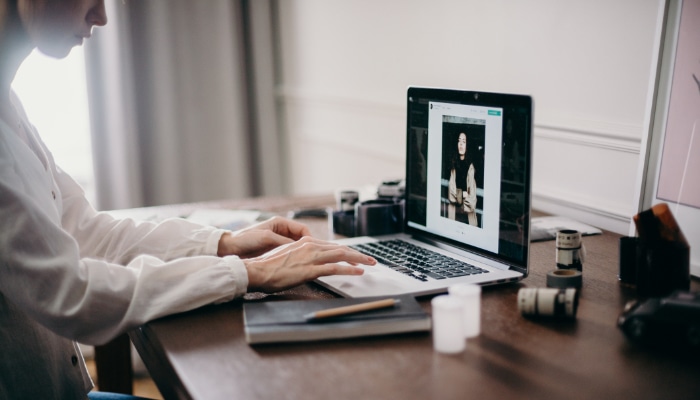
468	192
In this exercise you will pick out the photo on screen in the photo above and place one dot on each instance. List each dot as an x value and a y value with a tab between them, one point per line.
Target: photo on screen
462	179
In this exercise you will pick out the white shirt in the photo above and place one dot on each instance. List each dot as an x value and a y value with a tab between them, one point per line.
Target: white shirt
70	273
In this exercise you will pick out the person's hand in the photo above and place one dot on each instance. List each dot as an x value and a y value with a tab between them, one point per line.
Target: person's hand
304	260
262	237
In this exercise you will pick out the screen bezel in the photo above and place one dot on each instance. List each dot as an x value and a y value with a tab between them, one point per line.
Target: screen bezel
484	99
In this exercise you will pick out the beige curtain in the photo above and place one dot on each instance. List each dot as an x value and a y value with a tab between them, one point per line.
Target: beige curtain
173	104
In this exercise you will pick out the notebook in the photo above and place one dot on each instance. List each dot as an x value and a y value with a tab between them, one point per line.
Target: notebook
286	321
468	194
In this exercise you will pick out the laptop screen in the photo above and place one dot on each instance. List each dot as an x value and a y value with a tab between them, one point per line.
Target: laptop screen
468	170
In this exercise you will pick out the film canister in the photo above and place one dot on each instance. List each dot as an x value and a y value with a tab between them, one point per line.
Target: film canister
569	249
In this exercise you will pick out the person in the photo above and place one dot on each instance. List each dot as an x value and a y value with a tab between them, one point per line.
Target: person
69	273
461	188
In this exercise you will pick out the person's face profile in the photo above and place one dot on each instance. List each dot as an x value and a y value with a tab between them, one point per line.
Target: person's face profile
56	26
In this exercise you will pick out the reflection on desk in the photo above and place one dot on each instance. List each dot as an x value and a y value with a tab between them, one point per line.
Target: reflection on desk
203	354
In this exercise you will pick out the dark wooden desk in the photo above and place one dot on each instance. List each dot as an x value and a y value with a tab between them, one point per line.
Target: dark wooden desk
203	354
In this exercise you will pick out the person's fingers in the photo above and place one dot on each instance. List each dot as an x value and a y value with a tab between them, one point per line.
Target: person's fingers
301	261
269	240
277	243
336	269
287	227
328	254
324	252
254	242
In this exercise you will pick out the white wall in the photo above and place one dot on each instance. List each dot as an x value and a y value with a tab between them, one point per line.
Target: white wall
345	66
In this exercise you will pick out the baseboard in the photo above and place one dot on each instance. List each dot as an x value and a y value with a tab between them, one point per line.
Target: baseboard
610	220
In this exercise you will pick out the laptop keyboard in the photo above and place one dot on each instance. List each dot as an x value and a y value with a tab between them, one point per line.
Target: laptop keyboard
416	261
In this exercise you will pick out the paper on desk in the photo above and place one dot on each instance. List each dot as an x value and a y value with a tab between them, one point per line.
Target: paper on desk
225	219
545	228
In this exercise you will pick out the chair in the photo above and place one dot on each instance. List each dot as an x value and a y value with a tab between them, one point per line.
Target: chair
113	364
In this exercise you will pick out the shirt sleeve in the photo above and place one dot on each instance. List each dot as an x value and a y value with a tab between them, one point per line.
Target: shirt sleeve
93	300
90	277
120	240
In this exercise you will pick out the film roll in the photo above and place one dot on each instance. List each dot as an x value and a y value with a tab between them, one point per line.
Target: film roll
548	302
569	249
564	278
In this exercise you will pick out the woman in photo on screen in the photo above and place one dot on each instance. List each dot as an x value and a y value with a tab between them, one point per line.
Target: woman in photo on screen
462	186
69	273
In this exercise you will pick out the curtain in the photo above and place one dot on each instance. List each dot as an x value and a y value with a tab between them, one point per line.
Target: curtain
169	88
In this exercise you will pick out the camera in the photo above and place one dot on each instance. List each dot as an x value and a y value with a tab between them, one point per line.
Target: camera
370	218
381	216
672	321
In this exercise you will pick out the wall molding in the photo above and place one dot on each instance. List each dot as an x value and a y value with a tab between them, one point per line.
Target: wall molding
594	212
286	94
591	133
579	131
575	131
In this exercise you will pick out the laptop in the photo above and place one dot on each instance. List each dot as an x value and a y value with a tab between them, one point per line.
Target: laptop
467	198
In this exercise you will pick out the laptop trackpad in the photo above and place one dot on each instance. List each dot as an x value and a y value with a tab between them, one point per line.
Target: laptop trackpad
374	282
